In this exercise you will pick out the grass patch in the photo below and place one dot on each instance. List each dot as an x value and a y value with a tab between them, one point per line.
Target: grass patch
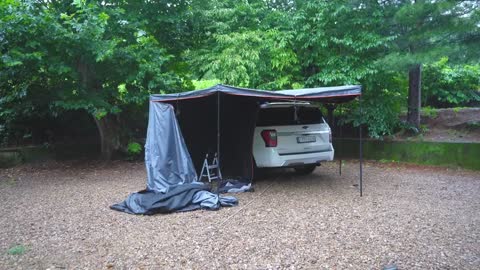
457	109
430	112
17	250
8	180
464	155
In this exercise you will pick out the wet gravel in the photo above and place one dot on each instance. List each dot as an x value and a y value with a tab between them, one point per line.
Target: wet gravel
411	216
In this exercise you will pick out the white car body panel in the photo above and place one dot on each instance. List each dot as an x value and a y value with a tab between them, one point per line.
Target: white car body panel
289	152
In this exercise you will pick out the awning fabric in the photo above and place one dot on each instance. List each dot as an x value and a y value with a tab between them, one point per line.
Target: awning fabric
334	94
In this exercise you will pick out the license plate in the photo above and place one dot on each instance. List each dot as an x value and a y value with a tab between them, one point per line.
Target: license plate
306	139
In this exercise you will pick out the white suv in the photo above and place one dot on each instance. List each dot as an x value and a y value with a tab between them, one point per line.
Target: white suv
291	134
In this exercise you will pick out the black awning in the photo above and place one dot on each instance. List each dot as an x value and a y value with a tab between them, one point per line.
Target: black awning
334	94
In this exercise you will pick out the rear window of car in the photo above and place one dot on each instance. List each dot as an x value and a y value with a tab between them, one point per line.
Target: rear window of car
286	116
308	116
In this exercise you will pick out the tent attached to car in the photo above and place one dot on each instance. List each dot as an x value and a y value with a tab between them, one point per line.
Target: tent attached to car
184	127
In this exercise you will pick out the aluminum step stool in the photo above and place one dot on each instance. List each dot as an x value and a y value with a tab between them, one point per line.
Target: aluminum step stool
211	171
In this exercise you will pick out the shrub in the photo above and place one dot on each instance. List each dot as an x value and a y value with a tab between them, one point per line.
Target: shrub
134	148
134	151
447	85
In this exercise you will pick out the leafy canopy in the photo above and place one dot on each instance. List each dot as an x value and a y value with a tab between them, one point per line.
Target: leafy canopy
82	55
106	57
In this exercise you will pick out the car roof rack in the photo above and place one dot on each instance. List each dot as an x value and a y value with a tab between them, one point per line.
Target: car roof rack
286	104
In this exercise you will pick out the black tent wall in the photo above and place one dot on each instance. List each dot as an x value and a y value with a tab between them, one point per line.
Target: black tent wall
198	120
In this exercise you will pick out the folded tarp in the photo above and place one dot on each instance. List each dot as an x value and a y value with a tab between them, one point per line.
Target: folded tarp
184	197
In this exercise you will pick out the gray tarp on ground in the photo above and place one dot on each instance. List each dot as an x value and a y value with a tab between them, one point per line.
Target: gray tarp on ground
184	197
171	176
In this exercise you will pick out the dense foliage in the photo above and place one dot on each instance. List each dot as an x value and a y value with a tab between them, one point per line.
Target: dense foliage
451	85
105	57
79	56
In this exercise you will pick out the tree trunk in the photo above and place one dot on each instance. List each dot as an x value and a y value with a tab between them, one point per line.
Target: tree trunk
110	136
414	95
108	126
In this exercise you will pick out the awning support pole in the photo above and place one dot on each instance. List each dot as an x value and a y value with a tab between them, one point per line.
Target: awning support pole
177	108
361	147
333	124
218	129
340	146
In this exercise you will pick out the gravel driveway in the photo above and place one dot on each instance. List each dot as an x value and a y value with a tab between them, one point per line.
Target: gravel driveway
56	215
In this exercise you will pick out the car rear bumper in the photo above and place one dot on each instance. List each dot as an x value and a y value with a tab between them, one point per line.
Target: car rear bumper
273	159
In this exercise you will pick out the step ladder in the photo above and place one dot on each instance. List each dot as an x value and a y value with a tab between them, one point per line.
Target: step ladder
211	171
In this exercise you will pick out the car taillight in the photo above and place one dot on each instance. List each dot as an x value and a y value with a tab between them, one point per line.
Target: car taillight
270	137
330	136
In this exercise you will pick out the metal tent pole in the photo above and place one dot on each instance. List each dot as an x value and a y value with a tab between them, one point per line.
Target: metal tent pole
361	148
218	128
177	108
332	125
340	146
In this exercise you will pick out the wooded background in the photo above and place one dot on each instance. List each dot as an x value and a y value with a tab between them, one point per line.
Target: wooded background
86	68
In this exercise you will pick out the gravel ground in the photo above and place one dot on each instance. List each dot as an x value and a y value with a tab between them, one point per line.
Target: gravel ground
415	217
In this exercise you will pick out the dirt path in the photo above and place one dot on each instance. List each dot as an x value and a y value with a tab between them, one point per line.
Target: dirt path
450	125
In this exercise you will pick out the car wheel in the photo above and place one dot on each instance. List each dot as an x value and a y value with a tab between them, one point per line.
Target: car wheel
304	170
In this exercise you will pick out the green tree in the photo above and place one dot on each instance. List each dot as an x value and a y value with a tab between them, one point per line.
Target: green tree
338	41
288	44
248	45
106	57
425	31
82	56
